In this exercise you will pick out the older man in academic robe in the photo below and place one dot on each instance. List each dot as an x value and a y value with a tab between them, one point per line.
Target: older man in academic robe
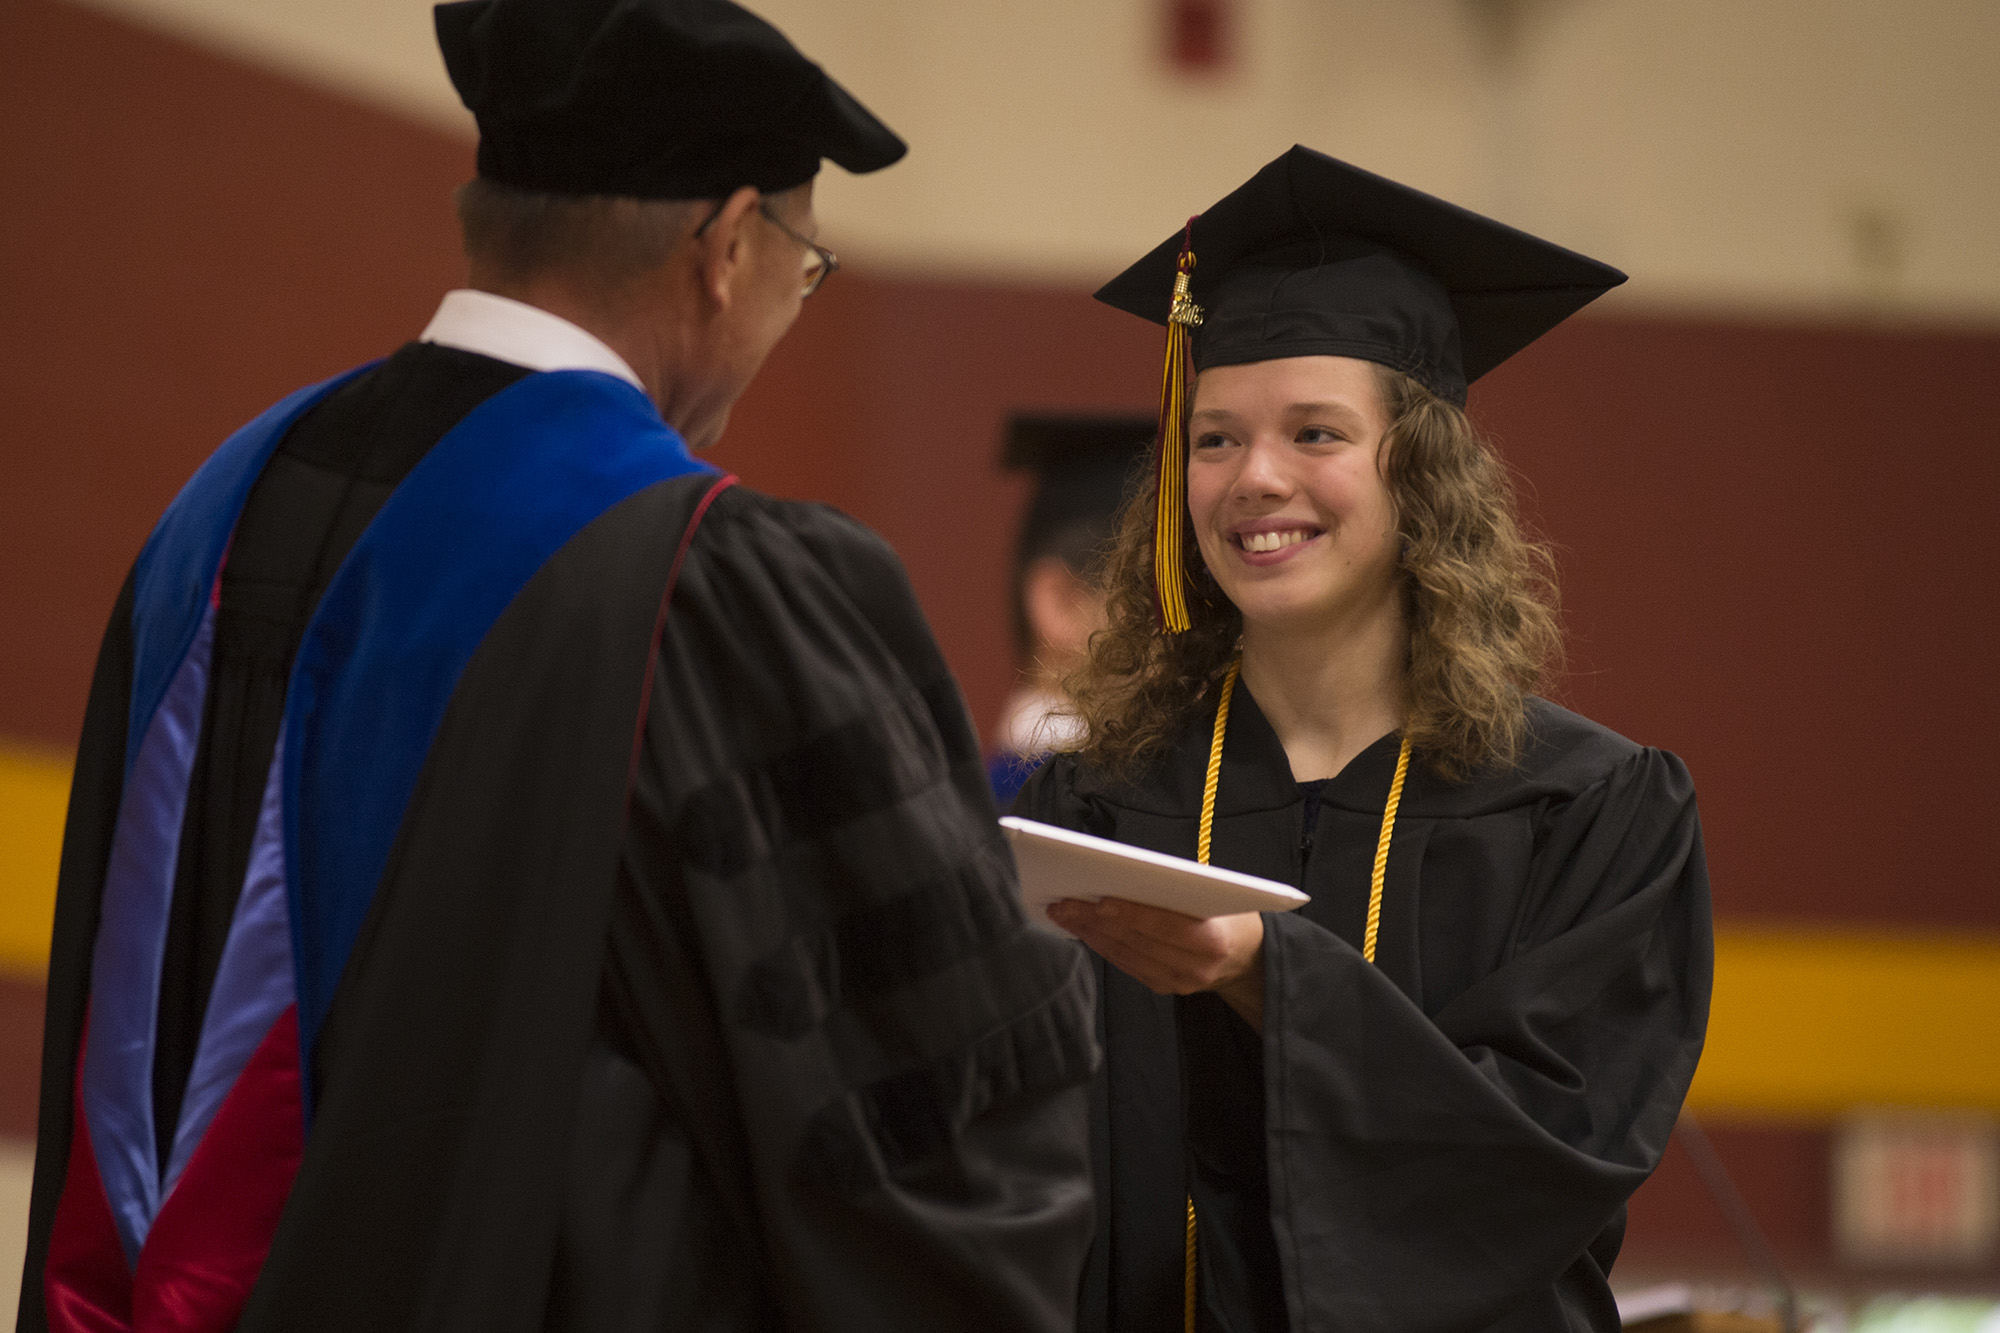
517	878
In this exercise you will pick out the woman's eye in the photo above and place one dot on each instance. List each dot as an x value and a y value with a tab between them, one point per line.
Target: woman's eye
1319	435
1213	440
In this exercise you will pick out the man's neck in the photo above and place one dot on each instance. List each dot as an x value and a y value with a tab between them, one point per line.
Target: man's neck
1330	691
643	344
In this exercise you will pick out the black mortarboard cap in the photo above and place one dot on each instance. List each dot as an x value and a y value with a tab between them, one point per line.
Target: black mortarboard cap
1082	465
648	99
1313	257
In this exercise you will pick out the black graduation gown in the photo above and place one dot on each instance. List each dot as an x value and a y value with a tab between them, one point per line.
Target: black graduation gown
694	1001
1444	1140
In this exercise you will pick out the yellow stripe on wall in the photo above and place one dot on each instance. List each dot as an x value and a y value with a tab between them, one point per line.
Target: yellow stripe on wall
34	798
1807	1024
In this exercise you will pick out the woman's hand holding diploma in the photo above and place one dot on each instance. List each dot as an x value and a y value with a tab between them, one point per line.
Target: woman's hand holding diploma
1173	954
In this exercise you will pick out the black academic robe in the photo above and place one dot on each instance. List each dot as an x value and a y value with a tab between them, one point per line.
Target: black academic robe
1444	1140
696	997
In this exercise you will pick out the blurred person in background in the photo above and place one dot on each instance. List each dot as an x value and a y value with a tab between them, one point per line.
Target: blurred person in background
1081	466
515	878
1420	1101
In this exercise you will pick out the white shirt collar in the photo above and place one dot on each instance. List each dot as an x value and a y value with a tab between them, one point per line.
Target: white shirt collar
521	334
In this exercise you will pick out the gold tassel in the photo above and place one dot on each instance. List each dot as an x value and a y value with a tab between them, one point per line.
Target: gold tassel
1169	529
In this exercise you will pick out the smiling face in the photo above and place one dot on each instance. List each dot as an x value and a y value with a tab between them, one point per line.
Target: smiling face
1287	495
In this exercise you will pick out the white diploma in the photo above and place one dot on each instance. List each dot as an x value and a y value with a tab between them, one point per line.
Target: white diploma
1056	864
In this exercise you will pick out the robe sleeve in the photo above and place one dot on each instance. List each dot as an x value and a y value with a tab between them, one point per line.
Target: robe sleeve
1475	1154
906	1060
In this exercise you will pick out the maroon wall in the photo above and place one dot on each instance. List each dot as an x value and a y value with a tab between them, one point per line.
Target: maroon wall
1778	562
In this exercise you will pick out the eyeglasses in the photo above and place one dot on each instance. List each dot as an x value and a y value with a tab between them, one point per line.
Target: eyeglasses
820	264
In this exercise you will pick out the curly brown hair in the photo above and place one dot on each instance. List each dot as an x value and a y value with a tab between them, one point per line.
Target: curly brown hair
1479	598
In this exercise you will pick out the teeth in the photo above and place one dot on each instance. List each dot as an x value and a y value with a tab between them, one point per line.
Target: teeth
1273	541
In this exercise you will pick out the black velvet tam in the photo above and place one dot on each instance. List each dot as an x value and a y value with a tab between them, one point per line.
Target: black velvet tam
649	99
1082	466
1313	257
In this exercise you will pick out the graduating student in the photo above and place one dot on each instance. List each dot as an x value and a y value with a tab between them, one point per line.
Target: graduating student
1421	1101
1082	466
515	878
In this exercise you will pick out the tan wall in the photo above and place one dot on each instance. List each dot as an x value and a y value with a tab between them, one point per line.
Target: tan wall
1819	157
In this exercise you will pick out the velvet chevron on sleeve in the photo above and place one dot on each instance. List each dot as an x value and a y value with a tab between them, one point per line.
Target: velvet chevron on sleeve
906	1056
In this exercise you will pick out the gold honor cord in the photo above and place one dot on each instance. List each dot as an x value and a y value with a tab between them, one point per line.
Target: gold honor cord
1381	871
1206	836
1204	840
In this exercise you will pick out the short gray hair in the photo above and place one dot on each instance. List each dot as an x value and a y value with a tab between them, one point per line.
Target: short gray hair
604	239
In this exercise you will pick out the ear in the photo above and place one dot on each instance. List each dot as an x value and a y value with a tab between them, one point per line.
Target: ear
725	244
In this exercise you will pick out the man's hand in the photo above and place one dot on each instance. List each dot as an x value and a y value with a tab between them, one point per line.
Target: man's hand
1173	954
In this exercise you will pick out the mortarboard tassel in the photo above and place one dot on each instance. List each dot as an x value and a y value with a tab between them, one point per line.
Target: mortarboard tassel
1169	527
